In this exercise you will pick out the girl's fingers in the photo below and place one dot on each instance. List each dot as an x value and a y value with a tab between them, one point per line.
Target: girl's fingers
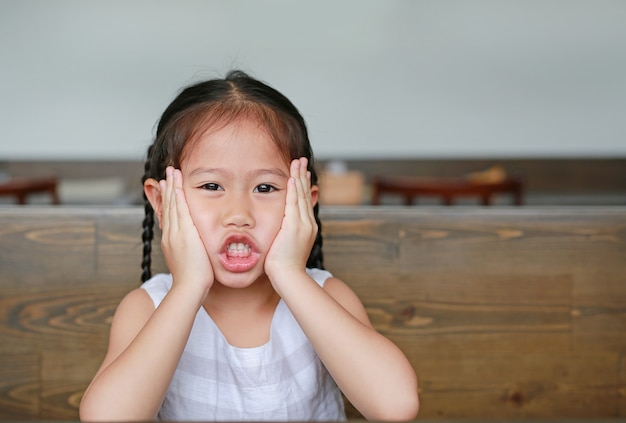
291	200
309	200
182	210
303	183
170	205
166	202
164	212
299	189
173	212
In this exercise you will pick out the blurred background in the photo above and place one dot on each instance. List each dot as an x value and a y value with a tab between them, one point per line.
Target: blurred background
422	88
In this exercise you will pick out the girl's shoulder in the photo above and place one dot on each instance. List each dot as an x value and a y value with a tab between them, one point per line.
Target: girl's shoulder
319	275
344	295
157	287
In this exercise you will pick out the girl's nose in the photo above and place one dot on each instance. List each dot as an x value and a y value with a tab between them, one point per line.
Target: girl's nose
238	211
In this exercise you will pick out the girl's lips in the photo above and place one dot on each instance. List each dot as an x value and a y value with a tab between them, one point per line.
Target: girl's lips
238	254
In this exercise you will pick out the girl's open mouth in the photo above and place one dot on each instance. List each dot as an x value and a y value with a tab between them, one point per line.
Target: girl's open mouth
238	255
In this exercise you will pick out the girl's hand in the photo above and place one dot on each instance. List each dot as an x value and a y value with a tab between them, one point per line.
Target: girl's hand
184	251
291	247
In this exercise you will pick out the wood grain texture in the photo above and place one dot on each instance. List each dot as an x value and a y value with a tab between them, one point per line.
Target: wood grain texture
504	312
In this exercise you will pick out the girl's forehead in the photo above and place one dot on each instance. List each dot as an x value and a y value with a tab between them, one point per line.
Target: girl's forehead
235	142
236	134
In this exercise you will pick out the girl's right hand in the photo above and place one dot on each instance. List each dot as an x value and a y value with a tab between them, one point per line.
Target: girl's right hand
184	251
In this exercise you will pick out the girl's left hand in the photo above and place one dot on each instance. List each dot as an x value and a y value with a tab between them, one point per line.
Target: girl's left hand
291	247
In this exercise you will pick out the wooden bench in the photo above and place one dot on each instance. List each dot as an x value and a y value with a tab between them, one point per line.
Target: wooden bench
21	188
505	313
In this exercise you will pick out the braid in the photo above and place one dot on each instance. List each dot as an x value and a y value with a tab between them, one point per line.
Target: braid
148	225
146	237
316	258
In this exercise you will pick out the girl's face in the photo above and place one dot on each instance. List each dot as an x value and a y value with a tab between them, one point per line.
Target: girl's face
235	182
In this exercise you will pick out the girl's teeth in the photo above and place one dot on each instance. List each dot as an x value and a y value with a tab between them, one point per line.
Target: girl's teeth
238	247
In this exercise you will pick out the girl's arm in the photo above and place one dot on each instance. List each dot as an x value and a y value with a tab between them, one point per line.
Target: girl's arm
145	344
371	371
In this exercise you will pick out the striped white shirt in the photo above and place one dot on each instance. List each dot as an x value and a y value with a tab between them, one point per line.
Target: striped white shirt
281	380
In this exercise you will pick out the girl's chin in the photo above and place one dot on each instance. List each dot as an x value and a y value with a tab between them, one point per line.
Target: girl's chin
238	275
237	280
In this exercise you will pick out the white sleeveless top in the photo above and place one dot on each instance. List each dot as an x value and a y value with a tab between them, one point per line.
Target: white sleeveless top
281	380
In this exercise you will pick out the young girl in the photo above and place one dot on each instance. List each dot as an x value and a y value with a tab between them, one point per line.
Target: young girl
248	325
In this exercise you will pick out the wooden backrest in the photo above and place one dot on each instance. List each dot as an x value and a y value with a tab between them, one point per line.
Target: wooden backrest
503	312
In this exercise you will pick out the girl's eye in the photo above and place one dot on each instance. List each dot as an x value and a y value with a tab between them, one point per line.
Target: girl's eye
265	188
211	186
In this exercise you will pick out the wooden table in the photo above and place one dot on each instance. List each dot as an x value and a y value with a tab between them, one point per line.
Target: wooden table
21	188
445	188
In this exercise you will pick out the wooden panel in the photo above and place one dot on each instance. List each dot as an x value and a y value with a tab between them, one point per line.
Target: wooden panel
57	301
622	386
502	285
19	385
509	385
31	253
504	313
65	382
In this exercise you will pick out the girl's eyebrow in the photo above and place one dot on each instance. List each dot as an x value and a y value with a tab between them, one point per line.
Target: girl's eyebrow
271	171
202	170
224	172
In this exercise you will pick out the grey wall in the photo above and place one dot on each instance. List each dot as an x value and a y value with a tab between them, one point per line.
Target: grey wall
374	78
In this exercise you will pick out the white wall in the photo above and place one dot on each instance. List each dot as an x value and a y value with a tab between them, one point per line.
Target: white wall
374	78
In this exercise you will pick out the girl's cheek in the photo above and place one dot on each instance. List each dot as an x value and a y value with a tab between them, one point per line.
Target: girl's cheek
277	219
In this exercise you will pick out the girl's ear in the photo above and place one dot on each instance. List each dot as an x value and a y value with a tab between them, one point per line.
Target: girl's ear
315	190
153	192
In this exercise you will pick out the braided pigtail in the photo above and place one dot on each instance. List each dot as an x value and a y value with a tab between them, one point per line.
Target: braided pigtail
147	233
146	237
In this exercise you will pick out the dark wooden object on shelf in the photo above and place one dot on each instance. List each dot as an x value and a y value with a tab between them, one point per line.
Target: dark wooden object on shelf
21	188
447	189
